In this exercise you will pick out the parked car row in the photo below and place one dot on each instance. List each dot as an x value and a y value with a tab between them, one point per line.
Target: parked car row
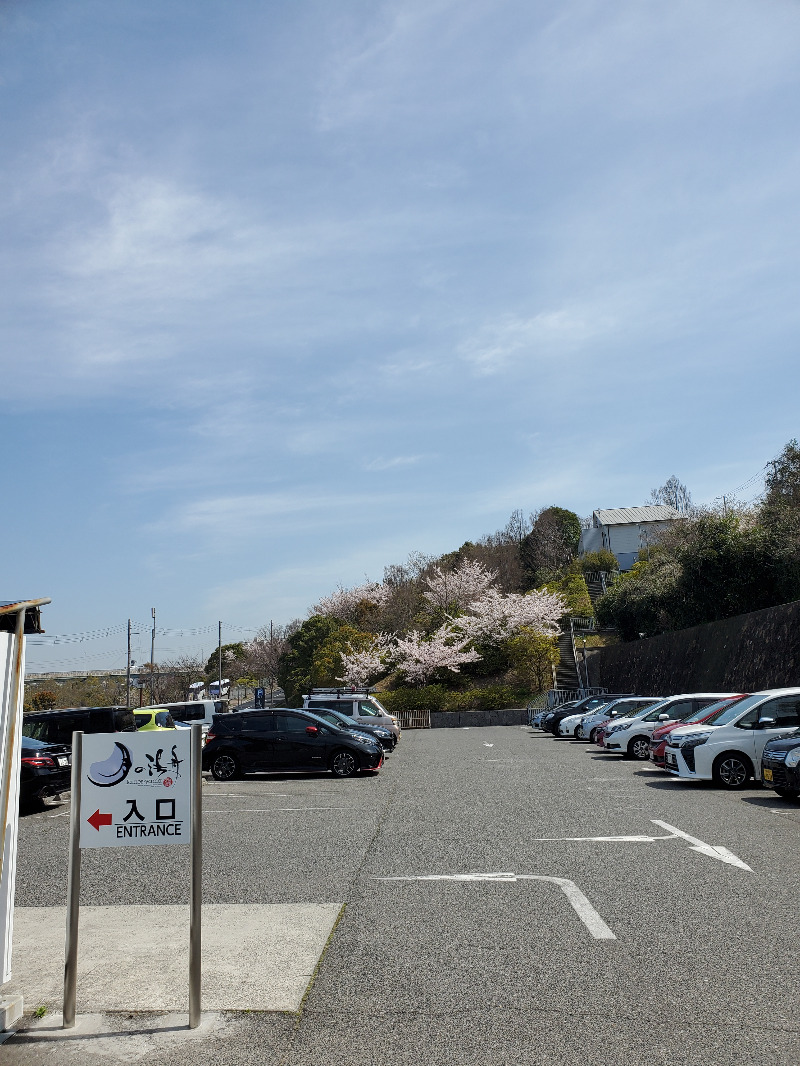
724	737
343	732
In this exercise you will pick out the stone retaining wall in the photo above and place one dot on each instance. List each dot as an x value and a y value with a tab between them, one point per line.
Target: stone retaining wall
742	654
460	719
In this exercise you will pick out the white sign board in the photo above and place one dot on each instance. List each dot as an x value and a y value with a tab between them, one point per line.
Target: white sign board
136	789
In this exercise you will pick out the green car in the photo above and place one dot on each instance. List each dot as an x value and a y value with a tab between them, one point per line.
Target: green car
153	718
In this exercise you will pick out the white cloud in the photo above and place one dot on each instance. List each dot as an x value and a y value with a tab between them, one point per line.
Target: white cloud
395	461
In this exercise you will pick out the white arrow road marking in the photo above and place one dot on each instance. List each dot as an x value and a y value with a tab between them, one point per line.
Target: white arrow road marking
580	904
608	840
713	851
487	745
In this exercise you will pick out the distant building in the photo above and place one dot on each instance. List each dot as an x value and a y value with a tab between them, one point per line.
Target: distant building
626	530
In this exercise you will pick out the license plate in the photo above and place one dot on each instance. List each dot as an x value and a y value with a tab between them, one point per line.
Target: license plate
63	760
766	774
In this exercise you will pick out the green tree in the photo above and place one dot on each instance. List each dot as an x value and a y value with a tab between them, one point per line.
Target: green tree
551	545
533	656
296	667
234	658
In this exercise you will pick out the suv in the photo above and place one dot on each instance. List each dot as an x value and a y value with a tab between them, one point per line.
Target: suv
362	707
57	727
729	751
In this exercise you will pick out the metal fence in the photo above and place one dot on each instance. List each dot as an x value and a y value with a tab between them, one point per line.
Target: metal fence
418	719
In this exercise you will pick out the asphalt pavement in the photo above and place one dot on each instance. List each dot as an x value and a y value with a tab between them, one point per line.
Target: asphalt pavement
484	920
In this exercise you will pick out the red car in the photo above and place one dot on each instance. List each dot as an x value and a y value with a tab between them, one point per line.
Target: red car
658	741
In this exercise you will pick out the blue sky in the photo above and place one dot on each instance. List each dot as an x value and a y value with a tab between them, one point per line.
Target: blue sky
289	291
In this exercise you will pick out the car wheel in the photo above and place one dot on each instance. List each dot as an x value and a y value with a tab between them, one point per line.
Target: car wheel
788	793
224	767
344	763
593	736
732	770
639	748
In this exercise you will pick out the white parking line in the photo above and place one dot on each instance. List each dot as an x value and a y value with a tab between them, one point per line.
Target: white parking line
579	903
271	810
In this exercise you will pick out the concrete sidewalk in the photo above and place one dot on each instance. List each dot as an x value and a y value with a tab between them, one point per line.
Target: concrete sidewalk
136	958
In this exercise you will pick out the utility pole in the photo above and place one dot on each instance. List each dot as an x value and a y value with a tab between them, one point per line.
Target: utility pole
724	505
128	670
152	654
219	661
271	655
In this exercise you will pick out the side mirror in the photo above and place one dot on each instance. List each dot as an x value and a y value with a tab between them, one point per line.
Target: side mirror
663	718
312	730
765	723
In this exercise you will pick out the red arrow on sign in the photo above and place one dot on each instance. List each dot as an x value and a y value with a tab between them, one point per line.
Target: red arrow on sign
98	819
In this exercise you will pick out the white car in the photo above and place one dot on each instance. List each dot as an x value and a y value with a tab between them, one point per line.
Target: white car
622	708
729	752
633	740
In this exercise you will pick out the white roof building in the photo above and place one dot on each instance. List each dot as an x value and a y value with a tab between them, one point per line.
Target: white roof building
626	530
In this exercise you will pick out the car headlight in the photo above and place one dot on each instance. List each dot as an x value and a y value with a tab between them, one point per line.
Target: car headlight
793	758
382	733
693	740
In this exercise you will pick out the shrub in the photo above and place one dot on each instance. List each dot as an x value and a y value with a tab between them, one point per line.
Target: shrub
603	560
429	697
572	586
438	698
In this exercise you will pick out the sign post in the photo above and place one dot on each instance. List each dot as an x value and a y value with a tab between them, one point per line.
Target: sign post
132	789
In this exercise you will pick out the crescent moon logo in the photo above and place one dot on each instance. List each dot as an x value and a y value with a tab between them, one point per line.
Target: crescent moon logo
112	770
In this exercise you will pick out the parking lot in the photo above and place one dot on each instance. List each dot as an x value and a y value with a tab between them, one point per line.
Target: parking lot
485	919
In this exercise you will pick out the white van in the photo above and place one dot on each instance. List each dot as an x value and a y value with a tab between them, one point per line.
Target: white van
360	706
729	751
186	714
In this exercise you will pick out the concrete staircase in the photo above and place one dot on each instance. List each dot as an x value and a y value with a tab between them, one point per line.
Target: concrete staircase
567	670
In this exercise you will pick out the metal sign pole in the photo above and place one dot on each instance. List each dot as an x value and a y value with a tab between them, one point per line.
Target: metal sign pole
73	886
196	899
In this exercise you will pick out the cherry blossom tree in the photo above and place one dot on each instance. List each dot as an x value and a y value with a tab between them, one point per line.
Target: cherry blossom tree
420	657
360	665
458	588
347	604
495	617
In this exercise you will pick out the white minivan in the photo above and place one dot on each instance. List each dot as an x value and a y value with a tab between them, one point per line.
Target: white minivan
360	706
186	714
729	751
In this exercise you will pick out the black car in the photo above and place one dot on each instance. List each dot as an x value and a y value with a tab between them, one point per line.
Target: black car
44	771
386	739
57	727
551	722
285	740
780	765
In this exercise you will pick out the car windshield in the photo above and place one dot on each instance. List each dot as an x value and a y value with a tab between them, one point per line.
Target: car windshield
731	713
711	713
